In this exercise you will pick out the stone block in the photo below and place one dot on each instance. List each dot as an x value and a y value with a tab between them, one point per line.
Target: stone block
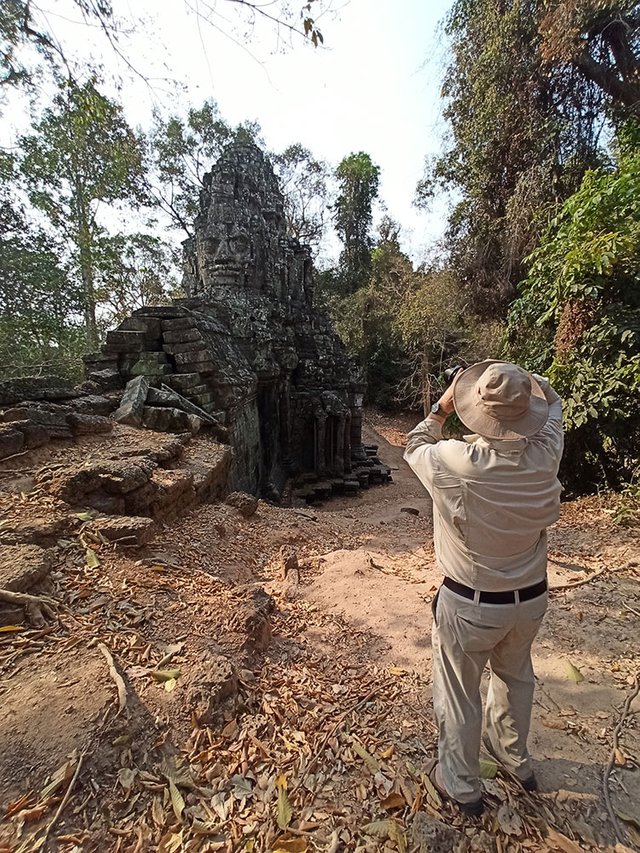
211	684
195	423
181	336
183	382
202	399
35	388
174	349
124	342
193	357
255	615
126	530
52	418
156	418
197	390
22	566
131	409
94	404
139	501
149	325
35	435
44	530
166	419
89	424
433	836
244	503
162	397
108	379
164	312
200	366
11	441
178	324
97	481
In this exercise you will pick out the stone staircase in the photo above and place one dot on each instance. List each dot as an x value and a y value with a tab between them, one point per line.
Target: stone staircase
367	470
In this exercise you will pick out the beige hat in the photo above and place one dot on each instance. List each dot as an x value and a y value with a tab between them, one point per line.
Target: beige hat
497	399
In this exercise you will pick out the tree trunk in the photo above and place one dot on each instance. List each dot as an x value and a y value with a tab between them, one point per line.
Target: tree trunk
425	381
89	301
86	270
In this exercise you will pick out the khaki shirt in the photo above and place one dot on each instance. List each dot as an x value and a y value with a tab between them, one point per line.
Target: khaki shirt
492	500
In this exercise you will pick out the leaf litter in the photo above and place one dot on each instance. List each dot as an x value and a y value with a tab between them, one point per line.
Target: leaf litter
318	752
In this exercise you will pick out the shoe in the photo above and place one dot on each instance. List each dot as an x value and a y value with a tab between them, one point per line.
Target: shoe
530	784
472	809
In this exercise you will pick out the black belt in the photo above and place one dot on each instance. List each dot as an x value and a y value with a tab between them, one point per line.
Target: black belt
525	594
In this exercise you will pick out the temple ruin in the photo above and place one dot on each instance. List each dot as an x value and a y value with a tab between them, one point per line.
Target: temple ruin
246	353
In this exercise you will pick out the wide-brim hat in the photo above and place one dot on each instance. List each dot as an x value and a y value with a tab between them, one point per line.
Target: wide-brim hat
497	399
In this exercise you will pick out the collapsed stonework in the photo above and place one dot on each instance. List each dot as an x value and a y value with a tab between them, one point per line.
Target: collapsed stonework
247	353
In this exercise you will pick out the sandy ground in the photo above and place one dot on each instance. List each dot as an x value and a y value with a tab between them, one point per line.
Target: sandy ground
337	706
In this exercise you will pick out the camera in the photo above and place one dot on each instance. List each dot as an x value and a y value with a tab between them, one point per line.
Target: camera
451	373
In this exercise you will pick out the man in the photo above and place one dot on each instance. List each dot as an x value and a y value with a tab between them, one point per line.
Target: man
494	494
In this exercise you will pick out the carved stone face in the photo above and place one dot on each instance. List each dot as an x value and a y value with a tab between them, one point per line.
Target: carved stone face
240	230
225	256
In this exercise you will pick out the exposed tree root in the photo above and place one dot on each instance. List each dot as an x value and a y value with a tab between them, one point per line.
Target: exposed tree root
117	678
37	608
581	582
612	758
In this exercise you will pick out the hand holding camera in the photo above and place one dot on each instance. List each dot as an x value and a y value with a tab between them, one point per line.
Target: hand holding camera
444	407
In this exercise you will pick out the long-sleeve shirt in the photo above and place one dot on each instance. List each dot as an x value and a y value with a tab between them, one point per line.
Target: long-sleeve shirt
492	500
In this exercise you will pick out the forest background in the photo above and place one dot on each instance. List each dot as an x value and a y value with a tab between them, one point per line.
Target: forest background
540	261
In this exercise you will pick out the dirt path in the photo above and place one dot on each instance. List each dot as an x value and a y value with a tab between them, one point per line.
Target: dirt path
336	701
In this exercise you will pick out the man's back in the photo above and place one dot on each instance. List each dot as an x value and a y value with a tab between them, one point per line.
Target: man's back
493	500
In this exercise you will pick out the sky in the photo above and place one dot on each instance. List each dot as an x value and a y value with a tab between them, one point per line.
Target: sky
374	86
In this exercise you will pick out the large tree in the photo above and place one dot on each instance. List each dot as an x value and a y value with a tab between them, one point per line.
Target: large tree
522	134
358	179
81	156
303	181
578	319
39	302
600	39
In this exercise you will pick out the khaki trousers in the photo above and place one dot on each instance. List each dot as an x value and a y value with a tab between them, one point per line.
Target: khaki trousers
465	637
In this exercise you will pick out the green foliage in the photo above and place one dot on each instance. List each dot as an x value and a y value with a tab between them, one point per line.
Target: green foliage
81	154
24	22
40	330
626	511
406	326
134	270
578	320
358	179
522	134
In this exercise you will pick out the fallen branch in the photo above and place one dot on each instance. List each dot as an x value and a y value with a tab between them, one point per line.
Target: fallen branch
612	759
117	678
581	582
42	844
36	607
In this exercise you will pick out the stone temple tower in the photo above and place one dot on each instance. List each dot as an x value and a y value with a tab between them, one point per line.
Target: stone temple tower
248	344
